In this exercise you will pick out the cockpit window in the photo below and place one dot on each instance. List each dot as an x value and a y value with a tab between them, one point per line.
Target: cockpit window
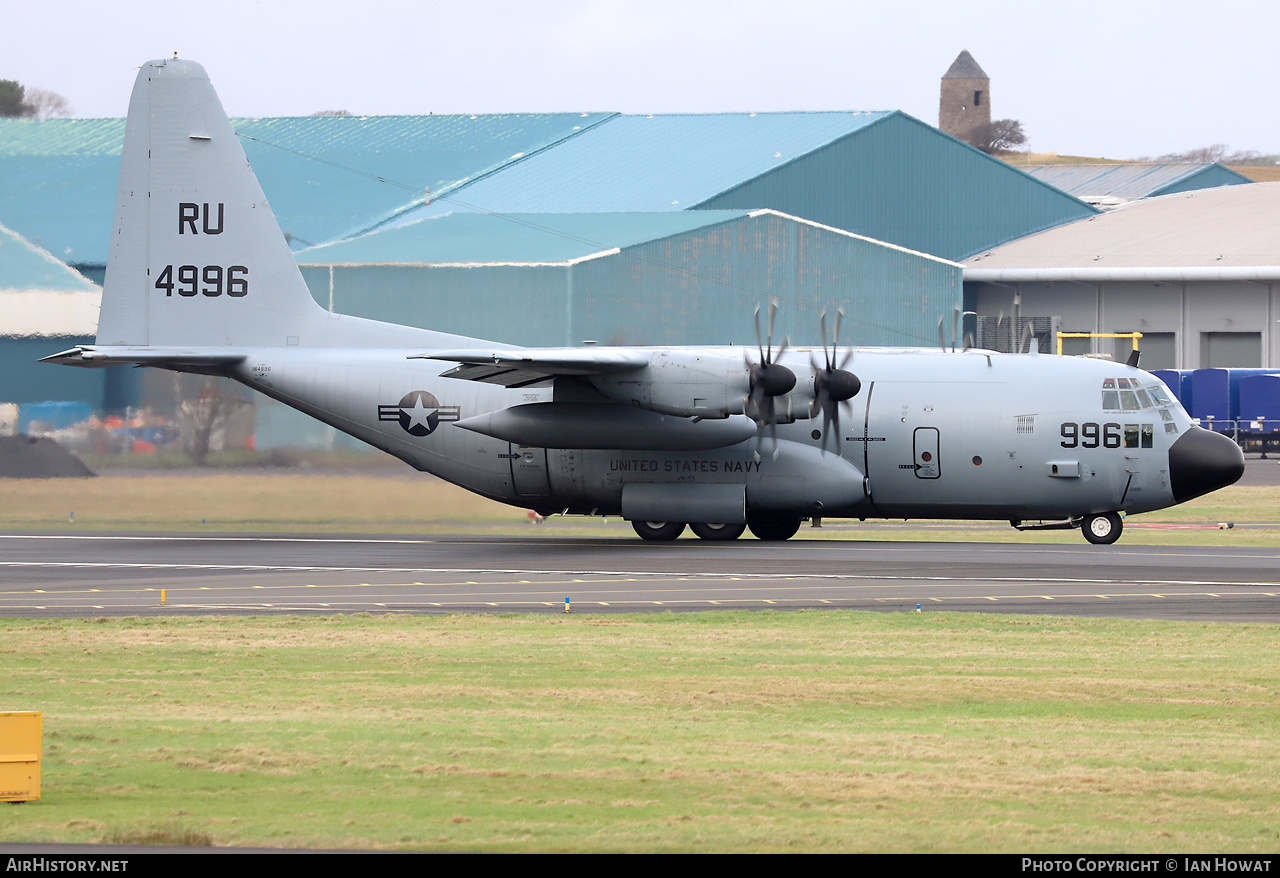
1124	394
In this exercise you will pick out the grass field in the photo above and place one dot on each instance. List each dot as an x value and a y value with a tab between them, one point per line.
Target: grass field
414	503
724	731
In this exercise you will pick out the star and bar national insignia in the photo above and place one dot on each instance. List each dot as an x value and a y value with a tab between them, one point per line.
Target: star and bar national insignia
419	413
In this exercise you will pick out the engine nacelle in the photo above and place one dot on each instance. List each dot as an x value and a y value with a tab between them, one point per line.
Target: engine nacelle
689	383
701	384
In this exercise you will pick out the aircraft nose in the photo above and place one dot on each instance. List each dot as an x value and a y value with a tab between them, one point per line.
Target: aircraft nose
1202	461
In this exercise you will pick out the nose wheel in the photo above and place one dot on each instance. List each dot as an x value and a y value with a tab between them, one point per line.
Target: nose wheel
1102	529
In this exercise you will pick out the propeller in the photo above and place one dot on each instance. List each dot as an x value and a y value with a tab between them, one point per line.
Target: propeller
832	384
767	379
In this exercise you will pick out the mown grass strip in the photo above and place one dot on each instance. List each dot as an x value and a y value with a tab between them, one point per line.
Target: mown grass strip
719	731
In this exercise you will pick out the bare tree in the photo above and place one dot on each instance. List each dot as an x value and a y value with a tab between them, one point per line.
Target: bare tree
1216	152
1001	135
32	103
202	422
44	104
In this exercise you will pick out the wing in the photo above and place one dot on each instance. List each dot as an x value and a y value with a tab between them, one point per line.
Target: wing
525	366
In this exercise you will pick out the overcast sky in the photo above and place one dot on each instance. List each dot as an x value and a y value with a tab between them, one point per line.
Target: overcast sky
1118	79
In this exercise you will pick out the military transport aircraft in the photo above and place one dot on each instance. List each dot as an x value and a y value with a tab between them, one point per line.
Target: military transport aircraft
200	279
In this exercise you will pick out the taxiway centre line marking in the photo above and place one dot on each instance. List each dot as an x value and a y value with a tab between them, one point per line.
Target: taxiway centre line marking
852	545
646	574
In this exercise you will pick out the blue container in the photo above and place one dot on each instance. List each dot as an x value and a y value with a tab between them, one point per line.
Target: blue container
1221	389
1260	402
1211	394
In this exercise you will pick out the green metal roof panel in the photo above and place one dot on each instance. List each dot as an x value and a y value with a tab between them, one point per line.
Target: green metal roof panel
653	163
907	183
26	267
469	238
326	176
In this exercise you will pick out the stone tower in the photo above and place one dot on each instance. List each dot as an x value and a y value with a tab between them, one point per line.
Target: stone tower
965	105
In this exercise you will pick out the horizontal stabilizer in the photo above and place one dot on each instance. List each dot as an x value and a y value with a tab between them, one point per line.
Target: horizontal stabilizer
604	425
191	359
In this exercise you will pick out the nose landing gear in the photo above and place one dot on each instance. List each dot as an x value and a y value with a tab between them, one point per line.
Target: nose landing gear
1102	528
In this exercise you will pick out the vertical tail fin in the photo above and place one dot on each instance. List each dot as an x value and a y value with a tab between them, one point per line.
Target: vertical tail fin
196	256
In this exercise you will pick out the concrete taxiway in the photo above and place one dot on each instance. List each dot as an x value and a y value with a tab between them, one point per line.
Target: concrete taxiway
124	574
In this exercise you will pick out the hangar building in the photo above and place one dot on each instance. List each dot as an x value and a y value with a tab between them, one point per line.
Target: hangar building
878	175
1198	273
46	307
689	277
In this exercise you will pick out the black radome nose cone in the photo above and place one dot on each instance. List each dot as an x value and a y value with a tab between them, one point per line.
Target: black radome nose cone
1202	461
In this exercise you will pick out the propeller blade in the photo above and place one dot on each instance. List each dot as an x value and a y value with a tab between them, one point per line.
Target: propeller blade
759	338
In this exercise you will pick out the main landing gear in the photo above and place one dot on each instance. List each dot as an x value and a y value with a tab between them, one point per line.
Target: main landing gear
658	531
771	528
717	531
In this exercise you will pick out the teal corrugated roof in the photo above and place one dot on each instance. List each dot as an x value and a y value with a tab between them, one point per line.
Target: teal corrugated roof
652	163
58	183
1133	180
318	199
511	238
58	176
24	266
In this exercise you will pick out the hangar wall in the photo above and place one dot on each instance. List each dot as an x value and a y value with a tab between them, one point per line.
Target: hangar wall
696	287
1189	325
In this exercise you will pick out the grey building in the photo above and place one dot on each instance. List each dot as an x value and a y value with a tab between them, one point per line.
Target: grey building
1198	273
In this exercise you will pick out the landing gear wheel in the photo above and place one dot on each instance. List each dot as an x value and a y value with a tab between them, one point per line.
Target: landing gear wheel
774	527
717	531
658	530
1102	529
